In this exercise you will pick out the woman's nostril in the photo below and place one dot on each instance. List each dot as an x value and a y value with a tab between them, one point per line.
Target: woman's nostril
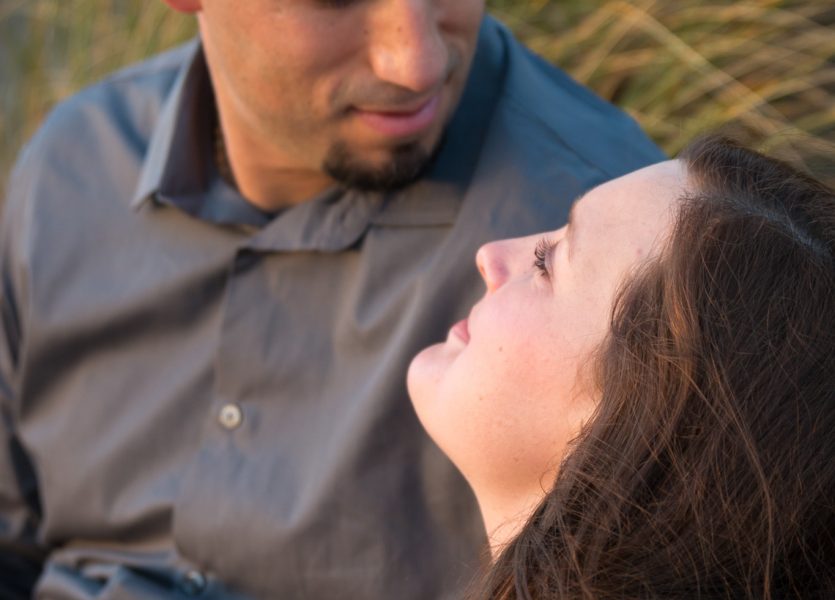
489	266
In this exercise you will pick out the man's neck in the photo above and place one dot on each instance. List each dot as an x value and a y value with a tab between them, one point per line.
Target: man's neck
258	171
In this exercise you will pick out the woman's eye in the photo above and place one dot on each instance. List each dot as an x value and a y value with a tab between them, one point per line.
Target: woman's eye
542	254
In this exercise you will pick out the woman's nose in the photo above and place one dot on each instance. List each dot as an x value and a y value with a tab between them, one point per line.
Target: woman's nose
491	260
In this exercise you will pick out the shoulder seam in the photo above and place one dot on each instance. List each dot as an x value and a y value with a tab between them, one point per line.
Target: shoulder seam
518	107
147	68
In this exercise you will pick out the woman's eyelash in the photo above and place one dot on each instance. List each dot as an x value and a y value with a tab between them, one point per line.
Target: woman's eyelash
543	249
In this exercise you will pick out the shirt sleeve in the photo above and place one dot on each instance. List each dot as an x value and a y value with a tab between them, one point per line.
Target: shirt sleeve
21	557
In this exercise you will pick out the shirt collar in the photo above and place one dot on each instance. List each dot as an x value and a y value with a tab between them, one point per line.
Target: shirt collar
178	161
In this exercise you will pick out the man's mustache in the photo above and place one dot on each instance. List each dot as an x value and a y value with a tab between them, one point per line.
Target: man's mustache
381	94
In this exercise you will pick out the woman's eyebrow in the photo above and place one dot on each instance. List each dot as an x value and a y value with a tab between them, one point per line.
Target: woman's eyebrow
571	223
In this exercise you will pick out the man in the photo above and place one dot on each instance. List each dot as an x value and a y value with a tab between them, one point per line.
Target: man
216	266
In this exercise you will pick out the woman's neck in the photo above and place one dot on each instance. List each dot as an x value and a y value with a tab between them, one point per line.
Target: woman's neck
505	517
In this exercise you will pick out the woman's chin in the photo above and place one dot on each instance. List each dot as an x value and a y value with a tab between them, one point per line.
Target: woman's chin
424	374
426	380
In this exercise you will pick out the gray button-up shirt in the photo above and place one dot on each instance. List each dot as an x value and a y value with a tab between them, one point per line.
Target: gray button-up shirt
200	399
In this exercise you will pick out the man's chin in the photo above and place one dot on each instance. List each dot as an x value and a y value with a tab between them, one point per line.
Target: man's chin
404	165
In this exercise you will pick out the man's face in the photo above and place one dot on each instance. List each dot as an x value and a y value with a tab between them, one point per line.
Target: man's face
359	89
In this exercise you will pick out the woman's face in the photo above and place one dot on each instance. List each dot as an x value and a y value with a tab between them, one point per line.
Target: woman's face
505	393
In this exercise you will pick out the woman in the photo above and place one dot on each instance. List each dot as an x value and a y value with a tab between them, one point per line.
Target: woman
644	400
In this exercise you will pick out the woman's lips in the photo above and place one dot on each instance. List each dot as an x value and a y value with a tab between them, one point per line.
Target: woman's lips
403	123
461	330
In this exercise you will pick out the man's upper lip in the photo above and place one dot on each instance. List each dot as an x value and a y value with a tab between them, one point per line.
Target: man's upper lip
403	109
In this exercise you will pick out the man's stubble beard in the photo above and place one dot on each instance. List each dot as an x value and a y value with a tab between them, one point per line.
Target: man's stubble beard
405	166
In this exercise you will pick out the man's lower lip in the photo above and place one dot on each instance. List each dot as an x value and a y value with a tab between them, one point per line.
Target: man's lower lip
402	124
461	330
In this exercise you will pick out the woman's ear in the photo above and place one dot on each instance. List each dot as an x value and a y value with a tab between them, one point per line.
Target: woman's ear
185	6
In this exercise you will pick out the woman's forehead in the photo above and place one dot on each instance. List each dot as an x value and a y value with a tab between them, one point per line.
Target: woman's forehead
633	196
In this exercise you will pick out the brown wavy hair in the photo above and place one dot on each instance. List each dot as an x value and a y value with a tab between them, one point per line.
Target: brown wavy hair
708	468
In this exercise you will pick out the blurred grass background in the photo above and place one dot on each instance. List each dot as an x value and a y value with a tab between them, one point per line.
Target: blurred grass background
680	67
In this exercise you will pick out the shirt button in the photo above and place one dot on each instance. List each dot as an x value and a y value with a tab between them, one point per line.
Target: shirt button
193	583
230	416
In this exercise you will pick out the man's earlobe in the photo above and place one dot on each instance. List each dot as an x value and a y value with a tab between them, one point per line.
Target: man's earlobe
185	6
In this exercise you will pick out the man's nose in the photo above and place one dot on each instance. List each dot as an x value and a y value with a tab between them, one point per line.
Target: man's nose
407	48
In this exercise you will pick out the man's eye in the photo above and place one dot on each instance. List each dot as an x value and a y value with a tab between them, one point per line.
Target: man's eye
541	253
